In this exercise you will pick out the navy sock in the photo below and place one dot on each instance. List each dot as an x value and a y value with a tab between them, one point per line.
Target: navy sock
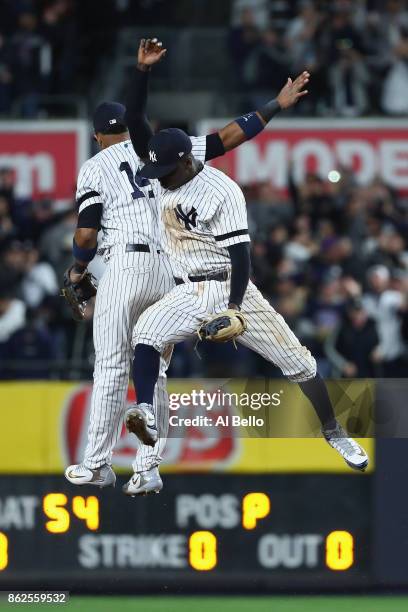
146	366
316	391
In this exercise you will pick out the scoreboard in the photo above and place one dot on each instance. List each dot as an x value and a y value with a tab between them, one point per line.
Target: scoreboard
203	530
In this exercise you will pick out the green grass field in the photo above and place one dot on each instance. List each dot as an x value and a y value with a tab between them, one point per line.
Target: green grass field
223	604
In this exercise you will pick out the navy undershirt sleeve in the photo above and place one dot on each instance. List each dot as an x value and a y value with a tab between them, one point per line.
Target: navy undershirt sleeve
240	268
214	146
91	217
140	130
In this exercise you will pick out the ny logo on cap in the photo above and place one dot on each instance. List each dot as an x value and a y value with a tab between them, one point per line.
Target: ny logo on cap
112	121
152	156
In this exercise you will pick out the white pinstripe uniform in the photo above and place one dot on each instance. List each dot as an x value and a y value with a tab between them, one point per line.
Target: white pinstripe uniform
202	218
131	282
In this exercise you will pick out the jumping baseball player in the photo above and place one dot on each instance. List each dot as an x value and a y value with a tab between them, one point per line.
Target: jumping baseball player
204	214
112	196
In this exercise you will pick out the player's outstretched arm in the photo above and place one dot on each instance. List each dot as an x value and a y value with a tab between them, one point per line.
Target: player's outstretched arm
149	53
250	125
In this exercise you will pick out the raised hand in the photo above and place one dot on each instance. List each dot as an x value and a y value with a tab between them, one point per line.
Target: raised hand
293	90
150	52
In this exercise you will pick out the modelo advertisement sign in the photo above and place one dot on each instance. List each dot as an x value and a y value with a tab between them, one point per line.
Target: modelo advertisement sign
288	149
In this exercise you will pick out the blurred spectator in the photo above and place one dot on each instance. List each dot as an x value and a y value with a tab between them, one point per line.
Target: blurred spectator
243	39
262	270
259	8
385	27
348	73
59	30
395	88
300	37
386	306
56	242
351	345
267	68
30	64
313	198
39	279
301	247
12	310
30	351
42	217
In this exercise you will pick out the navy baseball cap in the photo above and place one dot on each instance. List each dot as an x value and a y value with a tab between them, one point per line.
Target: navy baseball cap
109	118
166	148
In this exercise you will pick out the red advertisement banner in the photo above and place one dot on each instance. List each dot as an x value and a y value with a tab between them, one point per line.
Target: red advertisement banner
45	156
292	148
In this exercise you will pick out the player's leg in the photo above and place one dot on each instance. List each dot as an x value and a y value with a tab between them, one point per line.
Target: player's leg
111	374
146	477
269	335
122	296
173	319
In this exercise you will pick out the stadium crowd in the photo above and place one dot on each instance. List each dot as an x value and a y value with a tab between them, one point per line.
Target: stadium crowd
331	257
357	51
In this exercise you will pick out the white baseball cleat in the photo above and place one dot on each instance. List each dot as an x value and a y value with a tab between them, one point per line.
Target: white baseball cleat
140	421
143	483
101	477
353	454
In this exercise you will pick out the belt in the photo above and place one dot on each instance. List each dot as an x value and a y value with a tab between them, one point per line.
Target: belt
139	248
216	276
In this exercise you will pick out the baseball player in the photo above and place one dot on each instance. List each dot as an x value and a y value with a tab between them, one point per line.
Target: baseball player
204	214
112	196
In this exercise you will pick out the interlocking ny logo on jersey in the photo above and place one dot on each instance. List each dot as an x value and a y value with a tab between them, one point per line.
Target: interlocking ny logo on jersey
188	219
152	156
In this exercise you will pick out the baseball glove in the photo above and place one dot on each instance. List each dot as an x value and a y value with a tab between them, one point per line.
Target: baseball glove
78	294
223	327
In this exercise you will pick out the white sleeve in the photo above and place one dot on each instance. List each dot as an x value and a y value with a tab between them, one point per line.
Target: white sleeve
199	147
229	224
394	300
88	186
12	320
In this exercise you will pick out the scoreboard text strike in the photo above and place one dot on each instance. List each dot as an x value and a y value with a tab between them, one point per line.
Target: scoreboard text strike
214	525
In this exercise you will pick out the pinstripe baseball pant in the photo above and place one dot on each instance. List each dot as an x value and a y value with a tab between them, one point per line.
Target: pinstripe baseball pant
178	314
131	283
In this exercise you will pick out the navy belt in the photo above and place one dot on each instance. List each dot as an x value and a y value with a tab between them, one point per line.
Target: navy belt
139	248
216	276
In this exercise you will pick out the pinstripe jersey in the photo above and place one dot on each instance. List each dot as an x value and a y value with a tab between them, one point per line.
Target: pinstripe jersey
130	209
201	218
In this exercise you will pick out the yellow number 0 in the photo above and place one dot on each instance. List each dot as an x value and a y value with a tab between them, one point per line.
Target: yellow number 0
53	508
339	550
3	551
203	550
